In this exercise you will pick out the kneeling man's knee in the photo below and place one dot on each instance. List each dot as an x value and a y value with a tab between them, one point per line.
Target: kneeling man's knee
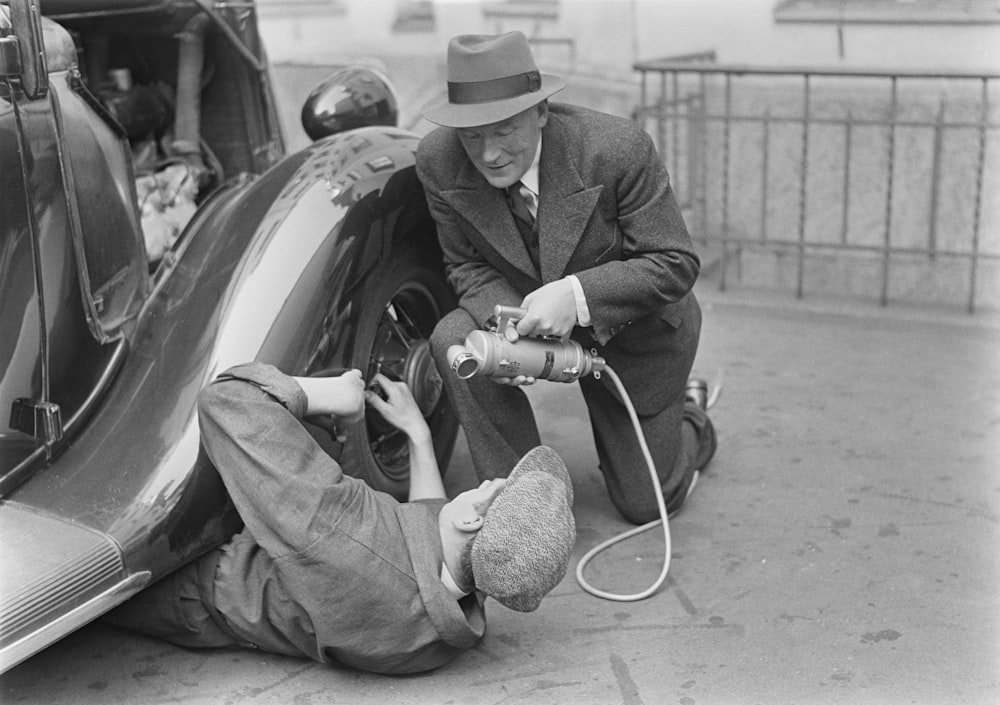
451	330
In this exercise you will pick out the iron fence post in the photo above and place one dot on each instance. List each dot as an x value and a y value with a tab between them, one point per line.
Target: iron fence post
764	159
977	208
661	119
935	182
848	154
703	151
675	124
890	174
804	167
726	125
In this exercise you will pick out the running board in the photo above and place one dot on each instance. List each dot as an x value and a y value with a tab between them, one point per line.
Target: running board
55	576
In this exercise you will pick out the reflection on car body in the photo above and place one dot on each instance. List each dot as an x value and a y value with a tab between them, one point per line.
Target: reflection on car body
320	259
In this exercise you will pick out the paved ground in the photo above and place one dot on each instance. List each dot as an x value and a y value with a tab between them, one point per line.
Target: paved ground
842	548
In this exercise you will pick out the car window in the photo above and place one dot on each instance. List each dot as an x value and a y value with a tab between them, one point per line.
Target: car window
99	175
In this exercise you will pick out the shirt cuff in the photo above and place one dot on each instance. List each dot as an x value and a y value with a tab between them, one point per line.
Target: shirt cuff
582	310
450	585
271	380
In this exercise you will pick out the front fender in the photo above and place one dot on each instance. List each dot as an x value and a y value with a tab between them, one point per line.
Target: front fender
271	272
354	199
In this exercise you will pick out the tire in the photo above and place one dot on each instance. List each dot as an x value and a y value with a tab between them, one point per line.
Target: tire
400	307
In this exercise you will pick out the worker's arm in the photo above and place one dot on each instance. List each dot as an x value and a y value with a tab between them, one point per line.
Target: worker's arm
287	490
400	409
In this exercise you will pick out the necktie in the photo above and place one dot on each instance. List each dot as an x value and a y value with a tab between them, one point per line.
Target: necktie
522	202
521	199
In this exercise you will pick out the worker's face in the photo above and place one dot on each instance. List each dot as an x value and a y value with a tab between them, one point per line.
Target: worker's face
503	151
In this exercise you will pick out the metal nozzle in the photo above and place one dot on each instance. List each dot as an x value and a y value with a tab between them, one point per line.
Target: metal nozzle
462	362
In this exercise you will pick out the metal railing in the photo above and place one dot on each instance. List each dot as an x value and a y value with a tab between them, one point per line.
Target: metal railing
866	180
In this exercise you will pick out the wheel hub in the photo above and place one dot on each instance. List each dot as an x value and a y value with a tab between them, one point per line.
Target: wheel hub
420	373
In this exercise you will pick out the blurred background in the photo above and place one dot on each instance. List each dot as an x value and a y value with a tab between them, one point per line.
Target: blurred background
827	149
609	35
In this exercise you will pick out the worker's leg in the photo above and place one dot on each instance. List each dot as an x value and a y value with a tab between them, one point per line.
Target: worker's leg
173	610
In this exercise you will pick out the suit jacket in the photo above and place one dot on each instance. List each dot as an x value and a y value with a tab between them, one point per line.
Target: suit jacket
606	213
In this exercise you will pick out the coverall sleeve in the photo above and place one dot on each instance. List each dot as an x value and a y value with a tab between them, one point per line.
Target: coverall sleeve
287	490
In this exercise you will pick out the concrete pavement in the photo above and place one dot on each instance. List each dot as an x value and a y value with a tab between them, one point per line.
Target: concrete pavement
842	547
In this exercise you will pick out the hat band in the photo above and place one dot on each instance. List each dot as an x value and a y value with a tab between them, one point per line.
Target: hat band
494	89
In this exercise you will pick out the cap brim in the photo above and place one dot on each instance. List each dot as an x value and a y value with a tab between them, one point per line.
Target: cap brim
441	112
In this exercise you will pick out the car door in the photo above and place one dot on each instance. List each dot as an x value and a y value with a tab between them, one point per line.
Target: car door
72	265
20	315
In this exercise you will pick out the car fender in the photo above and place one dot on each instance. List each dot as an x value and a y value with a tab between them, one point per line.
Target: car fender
265	272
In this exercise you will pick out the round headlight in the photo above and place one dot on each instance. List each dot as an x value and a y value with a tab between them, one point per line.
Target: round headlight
349	98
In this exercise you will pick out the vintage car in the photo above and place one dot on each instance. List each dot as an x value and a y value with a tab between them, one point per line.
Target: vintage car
153	232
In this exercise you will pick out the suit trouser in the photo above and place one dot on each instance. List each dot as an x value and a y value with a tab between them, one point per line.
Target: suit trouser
500	427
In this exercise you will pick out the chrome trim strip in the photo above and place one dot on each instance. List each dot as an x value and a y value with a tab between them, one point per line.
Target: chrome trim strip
31	644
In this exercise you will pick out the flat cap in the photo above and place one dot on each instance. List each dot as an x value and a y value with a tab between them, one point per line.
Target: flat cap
524	545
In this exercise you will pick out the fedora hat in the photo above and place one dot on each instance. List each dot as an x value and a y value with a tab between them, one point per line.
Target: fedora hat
490	78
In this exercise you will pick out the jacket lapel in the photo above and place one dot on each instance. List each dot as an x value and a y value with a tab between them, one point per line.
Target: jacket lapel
565	203
485	207
564	209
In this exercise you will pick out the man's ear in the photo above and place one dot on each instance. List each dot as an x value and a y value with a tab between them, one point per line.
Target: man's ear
469	523
543	113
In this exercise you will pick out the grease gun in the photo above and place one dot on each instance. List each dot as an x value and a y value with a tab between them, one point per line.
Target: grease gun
492	354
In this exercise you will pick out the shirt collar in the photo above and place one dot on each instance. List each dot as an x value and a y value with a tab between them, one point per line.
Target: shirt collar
530	178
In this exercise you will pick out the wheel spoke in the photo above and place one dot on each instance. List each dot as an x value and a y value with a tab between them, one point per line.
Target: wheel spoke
384	439
394	339
394	328
377	366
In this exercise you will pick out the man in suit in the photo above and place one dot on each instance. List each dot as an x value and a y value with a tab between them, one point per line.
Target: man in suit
567	213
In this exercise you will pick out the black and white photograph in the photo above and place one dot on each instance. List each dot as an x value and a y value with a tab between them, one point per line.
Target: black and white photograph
499	352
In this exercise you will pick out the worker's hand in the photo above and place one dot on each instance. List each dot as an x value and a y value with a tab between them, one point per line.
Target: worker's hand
551	311
395	402
335	402
341	396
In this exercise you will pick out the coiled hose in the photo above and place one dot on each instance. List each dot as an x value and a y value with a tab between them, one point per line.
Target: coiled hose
660	503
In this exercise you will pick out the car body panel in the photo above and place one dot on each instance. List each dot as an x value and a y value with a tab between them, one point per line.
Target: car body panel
68	377
244	295
277	264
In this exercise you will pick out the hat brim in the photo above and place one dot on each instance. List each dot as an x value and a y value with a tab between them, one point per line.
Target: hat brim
441	112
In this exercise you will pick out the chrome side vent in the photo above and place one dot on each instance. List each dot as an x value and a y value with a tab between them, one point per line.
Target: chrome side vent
48	567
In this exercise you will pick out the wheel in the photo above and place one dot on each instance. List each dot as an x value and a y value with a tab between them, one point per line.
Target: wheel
404	302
